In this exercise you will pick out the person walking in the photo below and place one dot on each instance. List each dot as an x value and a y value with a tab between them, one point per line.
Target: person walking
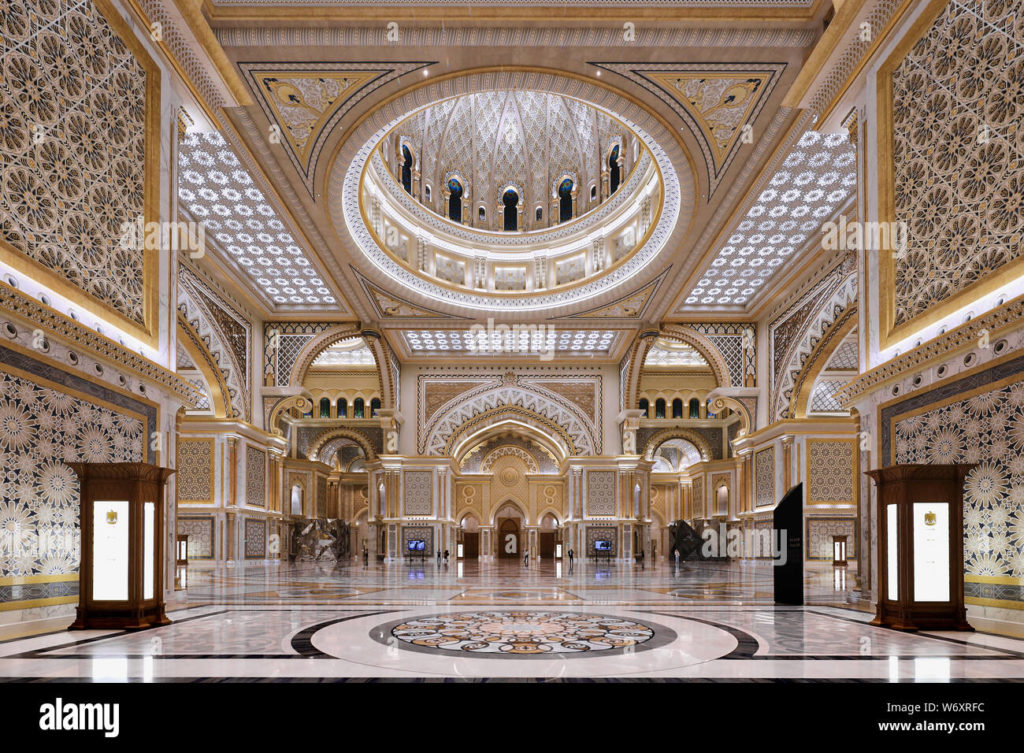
439	558
571	555
446	558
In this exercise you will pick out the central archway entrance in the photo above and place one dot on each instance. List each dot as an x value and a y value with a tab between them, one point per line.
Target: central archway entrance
508	538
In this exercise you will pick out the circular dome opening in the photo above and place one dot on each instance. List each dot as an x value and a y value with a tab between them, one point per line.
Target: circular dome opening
560	249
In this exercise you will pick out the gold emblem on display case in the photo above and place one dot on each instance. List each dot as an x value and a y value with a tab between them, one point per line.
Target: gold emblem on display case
929	518
112	517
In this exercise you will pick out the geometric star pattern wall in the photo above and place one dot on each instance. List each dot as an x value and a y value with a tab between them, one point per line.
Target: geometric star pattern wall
39	428
73	147
987	429
830	471
194	476
958	153
255	476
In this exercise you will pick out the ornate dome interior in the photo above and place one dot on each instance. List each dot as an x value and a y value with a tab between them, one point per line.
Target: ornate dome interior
561	157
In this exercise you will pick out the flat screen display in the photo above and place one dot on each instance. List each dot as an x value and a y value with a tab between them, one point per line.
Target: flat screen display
417	545
602	546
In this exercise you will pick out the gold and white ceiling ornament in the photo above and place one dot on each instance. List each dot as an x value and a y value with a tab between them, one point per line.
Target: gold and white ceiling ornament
389	306
716	101
217	191
508	342
817	177
494	138
631	306
351	352
344	185
673	353
305	101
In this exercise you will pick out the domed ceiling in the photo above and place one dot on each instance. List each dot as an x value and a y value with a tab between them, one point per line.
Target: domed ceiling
527	139
531	130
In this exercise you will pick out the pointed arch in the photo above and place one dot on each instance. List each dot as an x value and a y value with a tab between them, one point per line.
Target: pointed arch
514	503
207	365
305	357
215	352
321	439
551	414
632	371
817	360
679	432
502	418
301	402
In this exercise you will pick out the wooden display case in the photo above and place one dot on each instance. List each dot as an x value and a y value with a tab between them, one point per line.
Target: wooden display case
122	525
921	547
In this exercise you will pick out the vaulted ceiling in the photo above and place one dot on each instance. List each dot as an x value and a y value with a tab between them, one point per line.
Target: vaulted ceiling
315	86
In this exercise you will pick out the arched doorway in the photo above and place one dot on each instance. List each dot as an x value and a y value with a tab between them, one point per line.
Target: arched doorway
548	536
508	538
510	199
470	538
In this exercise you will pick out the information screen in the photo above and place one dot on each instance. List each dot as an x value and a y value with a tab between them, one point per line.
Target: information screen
892	551
931	551
110	551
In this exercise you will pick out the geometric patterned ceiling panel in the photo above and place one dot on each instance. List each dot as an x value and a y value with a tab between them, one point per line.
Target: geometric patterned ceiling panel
306	100
817	177
536	343
351	352
667	353
216	190
715	101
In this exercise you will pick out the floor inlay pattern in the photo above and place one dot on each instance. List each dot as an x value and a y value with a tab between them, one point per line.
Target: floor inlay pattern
519	633
483	621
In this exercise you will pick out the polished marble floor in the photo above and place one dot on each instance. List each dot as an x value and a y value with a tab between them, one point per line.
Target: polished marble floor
504	620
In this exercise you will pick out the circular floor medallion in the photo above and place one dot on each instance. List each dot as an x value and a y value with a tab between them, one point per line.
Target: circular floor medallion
522	633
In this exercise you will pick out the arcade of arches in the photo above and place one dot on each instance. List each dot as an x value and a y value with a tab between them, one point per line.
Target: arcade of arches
510	290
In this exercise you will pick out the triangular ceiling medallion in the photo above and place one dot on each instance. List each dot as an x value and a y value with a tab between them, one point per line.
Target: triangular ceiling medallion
716	101
389	306
306	100
630	306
